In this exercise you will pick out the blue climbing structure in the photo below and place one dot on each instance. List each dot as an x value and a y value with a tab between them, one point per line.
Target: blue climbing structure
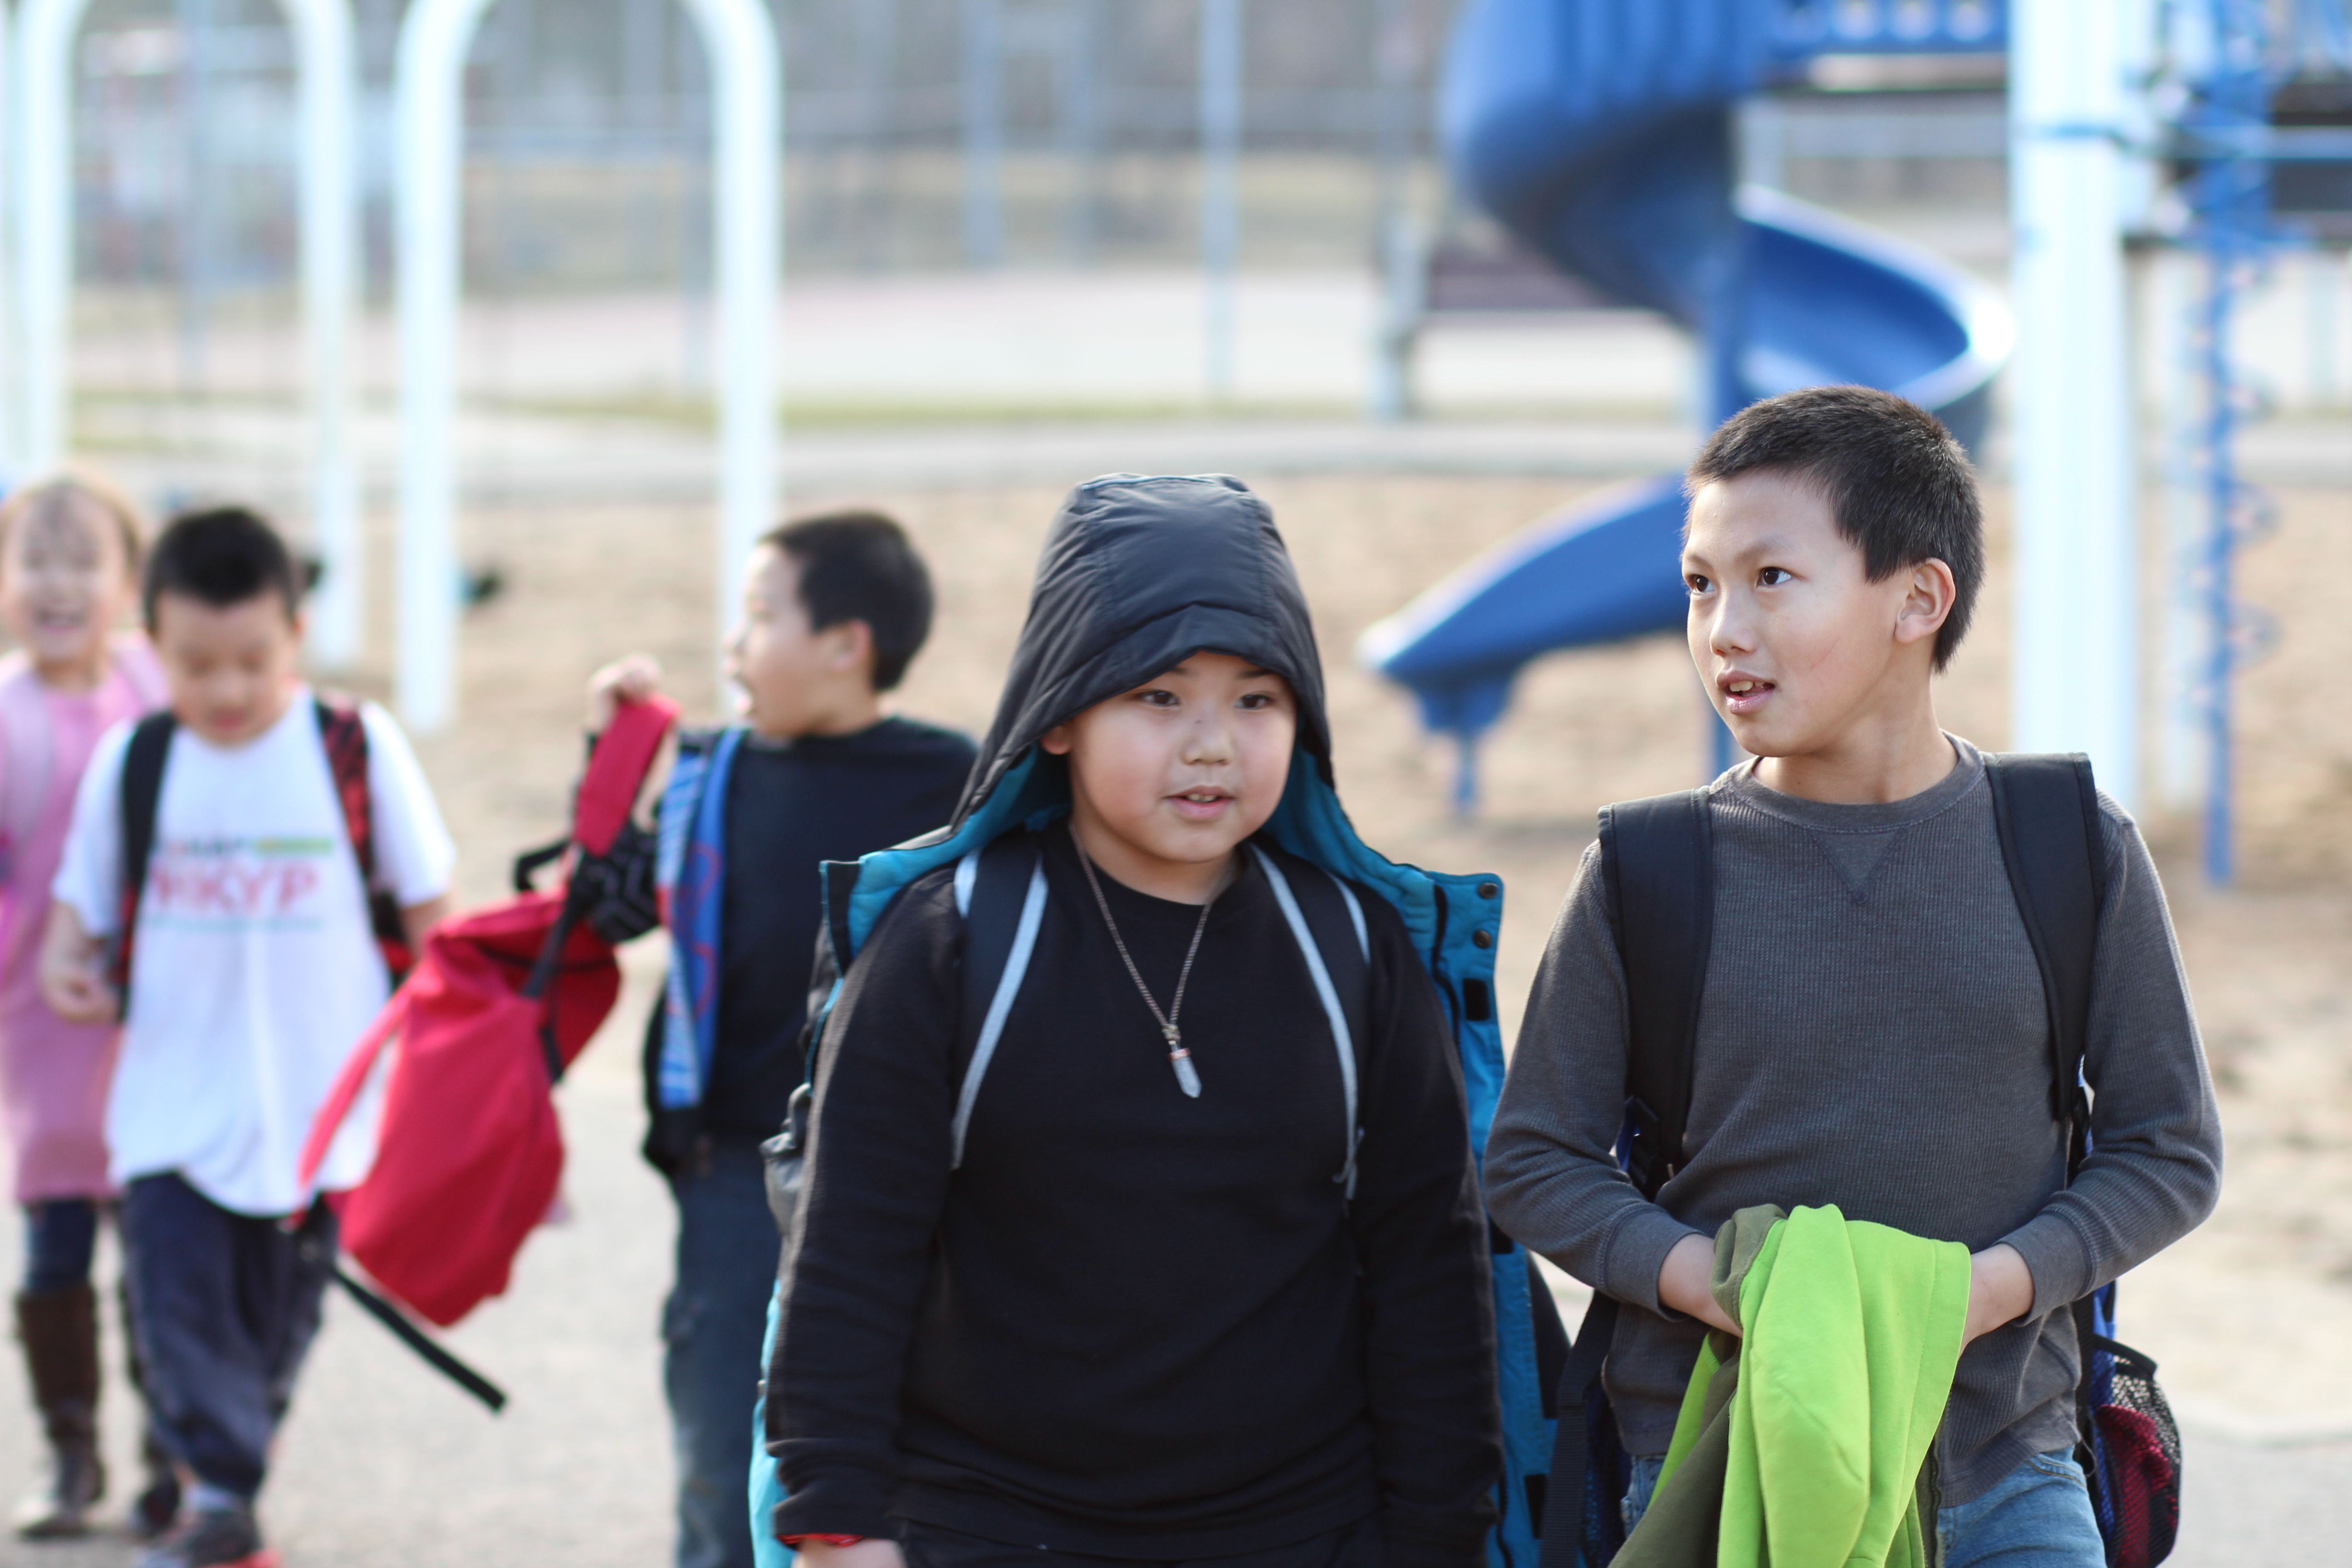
1599	132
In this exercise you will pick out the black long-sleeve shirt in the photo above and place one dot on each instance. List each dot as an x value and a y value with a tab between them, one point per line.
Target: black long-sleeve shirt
1135	1323
791	805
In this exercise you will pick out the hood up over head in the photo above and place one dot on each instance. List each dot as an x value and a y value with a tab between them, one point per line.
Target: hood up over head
1137	574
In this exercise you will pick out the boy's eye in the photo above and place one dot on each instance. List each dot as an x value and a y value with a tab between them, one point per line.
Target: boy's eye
1158	696
1773	576
1255	701
1695	584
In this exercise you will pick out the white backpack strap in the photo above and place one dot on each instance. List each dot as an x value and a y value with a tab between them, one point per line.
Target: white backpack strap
1355	916
1008	986
967	874
1326	993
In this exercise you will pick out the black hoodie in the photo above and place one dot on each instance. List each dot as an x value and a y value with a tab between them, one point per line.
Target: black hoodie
1134	1324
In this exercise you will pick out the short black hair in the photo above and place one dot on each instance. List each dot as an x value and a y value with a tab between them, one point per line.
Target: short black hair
861	566
220	556
1900	487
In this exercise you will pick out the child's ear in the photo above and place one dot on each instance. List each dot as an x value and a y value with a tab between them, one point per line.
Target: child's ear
1927	602
853	645
1056	740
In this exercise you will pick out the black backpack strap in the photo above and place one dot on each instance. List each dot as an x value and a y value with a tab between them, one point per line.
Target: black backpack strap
344	736
1567	1493
343	732
1657	868
141	795
1001	892
2046	810
313	1239
1658	864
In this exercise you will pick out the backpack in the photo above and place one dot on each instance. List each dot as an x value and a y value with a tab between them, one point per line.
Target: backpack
1657	864
469	1150
1000	889
1451	920
343	732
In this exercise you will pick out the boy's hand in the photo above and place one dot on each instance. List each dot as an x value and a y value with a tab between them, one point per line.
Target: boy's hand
630	680
417	920
71	980
2001	1291
868	1553
1686	1281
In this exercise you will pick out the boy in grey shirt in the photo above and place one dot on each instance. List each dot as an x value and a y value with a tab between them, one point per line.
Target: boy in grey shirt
1872	1031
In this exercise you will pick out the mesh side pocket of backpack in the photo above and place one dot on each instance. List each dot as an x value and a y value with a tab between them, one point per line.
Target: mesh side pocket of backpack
2135	1452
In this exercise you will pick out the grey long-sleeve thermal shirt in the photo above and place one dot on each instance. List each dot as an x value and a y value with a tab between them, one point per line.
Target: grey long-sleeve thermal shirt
1871	1035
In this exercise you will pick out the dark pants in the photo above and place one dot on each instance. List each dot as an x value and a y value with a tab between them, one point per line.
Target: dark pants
929	1546
224	1307
712	1328
60	1241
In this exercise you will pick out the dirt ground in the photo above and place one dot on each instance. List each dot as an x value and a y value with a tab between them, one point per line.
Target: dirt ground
2240	1314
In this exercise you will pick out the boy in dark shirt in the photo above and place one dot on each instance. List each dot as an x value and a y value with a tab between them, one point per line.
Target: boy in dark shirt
834	610
1196	1270
1872	1031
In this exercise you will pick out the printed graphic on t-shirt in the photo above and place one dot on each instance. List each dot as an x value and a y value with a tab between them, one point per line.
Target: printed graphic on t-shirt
237	883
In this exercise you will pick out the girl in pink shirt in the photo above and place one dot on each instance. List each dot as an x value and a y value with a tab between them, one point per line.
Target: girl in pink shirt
69	573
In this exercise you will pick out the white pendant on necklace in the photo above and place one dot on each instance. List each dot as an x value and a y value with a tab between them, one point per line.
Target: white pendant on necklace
1187	1079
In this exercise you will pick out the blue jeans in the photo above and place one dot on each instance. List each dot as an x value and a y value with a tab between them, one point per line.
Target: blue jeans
2037	1516
1639	1488
712	1327
61	1240
223	1307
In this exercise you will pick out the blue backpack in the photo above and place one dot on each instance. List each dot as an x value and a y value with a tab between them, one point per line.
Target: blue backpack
1657	865
1453	921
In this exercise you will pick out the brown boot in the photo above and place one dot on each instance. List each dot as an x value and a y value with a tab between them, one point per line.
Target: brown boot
58	1329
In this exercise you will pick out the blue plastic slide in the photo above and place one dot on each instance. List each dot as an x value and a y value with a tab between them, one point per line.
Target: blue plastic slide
1598	133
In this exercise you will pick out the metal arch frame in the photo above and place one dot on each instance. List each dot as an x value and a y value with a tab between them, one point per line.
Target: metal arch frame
327	83
10	443
747	112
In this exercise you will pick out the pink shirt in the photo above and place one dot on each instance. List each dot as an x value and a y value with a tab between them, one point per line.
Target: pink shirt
53	1075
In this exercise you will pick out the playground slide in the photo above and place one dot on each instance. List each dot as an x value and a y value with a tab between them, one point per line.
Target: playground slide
1599	132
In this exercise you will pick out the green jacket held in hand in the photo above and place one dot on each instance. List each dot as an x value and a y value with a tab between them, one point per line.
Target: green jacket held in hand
1804	1443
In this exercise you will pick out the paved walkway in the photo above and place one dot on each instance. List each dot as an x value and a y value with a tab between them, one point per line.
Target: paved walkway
385	1466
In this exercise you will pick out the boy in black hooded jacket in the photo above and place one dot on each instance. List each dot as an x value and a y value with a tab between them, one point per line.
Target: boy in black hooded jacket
1176	1280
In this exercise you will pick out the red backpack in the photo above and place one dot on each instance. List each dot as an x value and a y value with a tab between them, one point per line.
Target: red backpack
469	1150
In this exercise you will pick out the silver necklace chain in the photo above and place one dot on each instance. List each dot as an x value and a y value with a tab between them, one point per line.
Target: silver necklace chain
1188	1077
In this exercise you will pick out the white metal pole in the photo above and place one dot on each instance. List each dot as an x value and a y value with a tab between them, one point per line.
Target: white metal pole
43	94
2075	681
1221	138
747	110
984	133
45	76
9	446
327	84
1395	244
747	125
433	40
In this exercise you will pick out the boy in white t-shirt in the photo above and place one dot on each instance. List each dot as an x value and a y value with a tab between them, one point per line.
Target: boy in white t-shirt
252	967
